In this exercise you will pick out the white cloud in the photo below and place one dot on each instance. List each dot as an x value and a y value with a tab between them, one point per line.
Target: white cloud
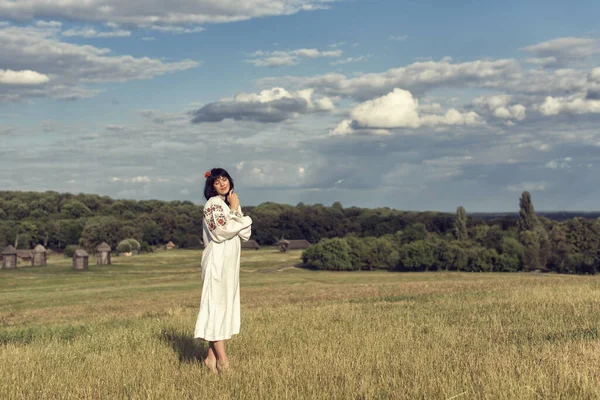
417	77
338	44
141	179
350	60
25	77
399	109
563	50
271	105
452	117
563	163
144	14
48	24
399	38
499	106
70	67
177	30
285	58
577	104
92	33
528	186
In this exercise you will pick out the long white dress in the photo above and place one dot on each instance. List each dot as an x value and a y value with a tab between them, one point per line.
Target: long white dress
219	316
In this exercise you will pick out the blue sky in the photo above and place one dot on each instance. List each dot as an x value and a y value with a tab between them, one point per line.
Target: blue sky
411	105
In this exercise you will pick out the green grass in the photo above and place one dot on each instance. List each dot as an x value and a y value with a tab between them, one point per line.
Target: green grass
125	331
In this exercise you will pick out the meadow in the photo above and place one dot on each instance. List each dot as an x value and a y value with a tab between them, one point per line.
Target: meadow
125	331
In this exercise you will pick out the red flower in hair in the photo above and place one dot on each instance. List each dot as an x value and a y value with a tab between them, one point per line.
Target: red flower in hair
207	174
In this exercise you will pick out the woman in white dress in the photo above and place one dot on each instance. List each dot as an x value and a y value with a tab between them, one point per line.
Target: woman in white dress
223	227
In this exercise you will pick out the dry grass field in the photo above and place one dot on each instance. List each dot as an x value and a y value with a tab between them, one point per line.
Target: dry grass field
125	331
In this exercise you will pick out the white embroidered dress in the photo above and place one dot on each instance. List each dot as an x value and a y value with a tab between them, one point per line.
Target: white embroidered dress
219	316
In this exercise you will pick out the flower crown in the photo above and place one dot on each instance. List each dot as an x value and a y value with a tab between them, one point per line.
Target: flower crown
207	174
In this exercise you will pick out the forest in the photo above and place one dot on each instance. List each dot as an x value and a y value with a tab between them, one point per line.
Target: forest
344	238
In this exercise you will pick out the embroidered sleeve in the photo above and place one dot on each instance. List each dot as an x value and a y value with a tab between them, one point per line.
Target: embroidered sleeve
223	223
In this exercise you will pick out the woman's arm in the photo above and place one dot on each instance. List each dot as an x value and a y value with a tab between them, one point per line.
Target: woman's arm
224	223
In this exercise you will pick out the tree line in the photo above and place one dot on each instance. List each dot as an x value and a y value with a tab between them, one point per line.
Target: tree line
529	243
372	238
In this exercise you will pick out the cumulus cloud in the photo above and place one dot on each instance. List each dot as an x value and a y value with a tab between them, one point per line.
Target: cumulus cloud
144	14
67	66
285	58
25	77
396	110
578	104
273	105
562	51
499	106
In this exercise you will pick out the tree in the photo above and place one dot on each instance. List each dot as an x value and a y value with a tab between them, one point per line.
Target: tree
460	224
329	254
533	235
527	218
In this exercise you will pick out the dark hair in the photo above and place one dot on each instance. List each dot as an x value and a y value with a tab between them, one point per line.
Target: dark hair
209	189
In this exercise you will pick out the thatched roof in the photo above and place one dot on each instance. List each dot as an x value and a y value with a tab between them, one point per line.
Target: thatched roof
9	250
170	244
296	244
80	253
39	249
103	247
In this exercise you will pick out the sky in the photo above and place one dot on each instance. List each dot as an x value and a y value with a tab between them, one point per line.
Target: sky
426	105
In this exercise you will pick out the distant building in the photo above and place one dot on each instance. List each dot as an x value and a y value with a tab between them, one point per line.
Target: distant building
80	259
103	254
39	256
170	246
9	258
285	245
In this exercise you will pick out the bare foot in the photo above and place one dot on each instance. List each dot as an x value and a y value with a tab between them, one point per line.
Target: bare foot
211	364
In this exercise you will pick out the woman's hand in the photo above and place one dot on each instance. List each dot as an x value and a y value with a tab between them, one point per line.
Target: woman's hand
234	201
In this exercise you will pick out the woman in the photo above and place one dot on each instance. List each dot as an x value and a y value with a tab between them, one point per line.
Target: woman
223	227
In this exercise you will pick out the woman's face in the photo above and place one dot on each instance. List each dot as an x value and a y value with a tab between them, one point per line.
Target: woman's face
221	185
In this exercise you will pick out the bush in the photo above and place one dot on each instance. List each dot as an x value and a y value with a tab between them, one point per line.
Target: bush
372	253
329	254
128	245
70	250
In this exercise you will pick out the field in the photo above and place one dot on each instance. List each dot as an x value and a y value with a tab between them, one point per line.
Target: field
125	331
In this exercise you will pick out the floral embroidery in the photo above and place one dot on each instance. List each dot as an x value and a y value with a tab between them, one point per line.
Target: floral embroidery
215	213
236	213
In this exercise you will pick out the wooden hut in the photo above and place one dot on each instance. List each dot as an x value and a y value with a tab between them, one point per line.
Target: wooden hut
285	245
170	246
9	257
39	256
103	254
80	259
251	244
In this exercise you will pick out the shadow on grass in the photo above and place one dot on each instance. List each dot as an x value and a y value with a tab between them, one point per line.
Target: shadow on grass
188	349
